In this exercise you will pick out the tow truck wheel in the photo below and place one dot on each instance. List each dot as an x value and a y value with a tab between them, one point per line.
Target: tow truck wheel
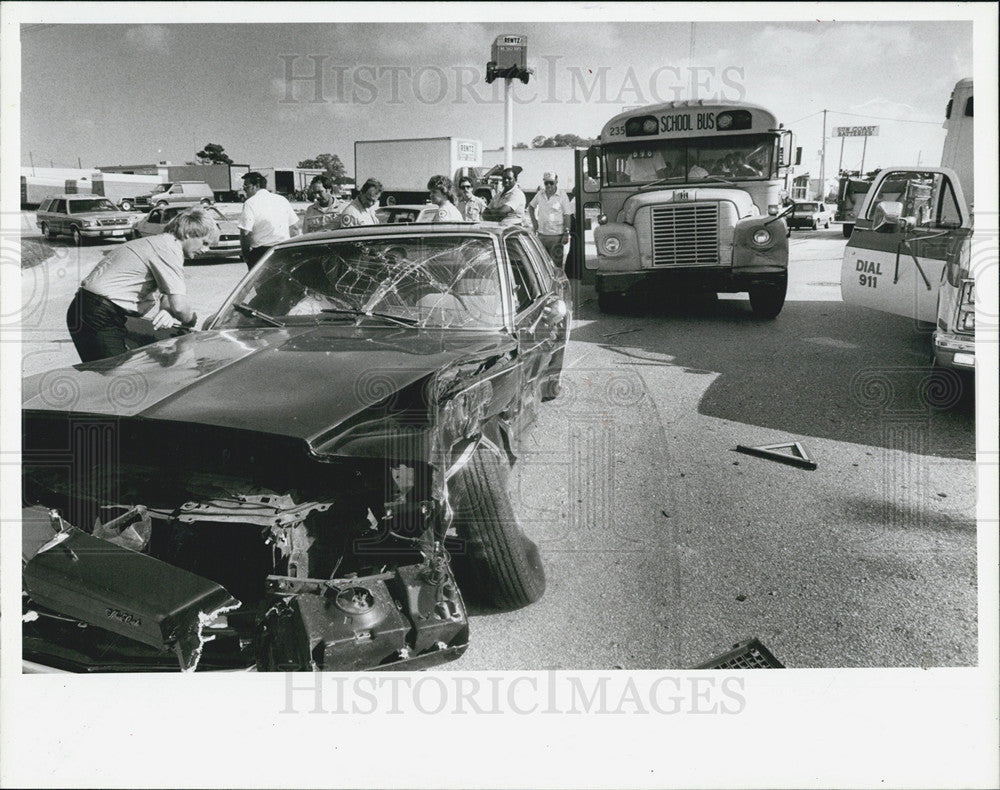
767	299
500	566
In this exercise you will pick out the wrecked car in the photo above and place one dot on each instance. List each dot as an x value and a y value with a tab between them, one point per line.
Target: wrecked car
316	480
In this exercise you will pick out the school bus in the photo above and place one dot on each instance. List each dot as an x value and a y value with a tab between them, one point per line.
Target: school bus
910	251
690	198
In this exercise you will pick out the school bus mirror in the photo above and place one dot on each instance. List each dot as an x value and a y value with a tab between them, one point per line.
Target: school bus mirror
592	165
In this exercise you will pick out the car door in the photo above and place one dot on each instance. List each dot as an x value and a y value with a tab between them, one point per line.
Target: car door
896	267
152	224
59	220
534	325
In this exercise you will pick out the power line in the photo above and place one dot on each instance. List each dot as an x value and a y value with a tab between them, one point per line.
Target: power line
881	118
807	116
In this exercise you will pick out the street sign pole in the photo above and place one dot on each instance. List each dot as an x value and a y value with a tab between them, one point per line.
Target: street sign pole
864	148
840	162
508	127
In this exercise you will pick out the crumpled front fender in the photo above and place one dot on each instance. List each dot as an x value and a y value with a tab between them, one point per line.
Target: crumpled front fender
750	257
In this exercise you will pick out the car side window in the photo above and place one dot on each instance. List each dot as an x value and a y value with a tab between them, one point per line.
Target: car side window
45	204
542	261
523	277
59	206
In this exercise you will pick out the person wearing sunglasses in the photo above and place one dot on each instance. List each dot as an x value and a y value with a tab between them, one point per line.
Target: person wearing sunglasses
469	203
551	215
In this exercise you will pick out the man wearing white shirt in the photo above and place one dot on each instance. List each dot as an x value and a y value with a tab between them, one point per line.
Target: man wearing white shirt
551	215
266	219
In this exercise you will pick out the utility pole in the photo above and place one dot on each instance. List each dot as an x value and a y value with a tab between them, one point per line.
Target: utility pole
31	158
864	148
822	163
78	163
840	162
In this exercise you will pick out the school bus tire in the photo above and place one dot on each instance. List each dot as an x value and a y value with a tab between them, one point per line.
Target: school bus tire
767	298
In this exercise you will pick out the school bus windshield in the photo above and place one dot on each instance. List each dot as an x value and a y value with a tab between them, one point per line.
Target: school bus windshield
731	158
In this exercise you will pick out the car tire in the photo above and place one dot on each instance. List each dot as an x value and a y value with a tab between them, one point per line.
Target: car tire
47	232
827	225
160	203
846	230
767	298
77	236
206	202
815	225
499	566
125	205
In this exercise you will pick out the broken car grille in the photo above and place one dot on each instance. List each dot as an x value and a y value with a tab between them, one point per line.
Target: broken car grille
686	235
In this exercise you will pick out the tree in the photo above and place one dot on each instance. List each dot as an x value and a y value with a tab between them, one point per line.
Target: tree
331	164
213	154
558	141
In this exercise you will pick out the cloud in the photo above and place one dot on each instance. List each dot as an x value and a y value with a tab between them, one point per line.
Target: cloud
148	38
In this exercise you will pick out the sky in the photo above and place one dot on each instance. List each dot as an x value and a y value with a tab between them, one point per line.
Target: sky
106	94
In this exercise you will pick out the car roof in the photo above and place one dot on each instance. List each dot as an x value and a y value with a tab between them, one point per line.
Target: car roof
76	196
421	228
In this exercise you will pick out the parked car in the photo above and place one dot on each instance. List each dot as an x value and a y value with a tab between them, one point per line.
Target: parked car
227	246
810	214
406	213
172	192
82	217
300	484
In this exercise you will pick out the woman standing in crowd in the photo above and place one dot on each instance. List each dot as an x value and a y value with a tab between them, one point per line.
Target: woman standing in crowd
443	197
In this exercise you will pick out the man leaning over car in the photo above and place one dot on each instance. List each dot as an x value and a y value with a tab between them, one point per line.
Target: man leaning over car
130	281
266	219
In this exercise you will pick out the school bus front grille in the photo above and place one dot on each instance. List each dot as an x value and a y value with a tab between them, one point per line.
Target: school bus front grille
686	235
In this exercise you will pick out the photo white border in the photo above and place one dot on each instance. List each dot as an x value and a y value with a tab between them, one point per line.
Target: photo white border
798	728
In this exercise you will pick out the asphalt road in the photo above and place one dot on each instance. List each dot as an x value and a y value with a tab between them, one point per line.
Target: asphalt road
662	545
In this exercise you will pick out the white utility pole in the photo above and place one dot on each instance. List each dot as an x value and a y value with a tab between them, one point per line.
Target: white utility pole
822	163
508	124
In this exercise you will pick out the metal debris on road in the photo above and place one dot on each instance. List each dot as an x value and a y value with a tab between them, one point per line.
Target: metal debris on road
792	453
750	654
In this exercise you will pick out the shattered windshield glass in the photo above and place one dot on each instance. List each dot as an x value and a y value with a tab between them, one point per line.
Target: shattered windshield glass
426	281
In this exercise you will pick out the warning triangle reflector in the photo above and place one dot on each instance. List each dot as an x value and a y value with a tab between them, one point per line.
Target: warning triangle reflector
792	453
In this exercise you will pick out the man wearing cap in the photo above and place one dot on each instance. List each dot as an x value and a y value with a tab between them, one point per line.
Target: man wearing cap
507	207
266	219
551	215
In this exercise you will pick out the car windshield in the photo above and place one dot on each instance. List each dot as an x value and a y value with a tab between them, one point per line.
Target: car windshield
212	211
160	188
432	281
729	158
95	204
800	207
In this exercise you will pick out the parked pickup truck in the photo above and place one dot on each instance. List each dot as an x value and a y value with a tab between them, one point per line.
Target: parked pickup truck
82	217
810	214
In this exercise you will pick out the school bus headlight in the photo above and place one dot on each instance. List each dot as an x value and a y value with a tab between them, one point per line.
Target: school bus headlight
602	219
612	245
762	237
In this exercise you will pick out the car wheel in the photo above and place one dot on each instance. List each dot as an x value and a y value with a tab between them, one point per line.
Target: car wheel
125	205
500	566
767	299
46	231
827	225
846	230
160	203
77	236
815	225
206	202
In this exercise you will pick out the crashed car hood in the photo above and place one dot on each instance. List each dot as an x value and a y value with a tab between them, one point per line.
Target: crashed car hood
294	381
